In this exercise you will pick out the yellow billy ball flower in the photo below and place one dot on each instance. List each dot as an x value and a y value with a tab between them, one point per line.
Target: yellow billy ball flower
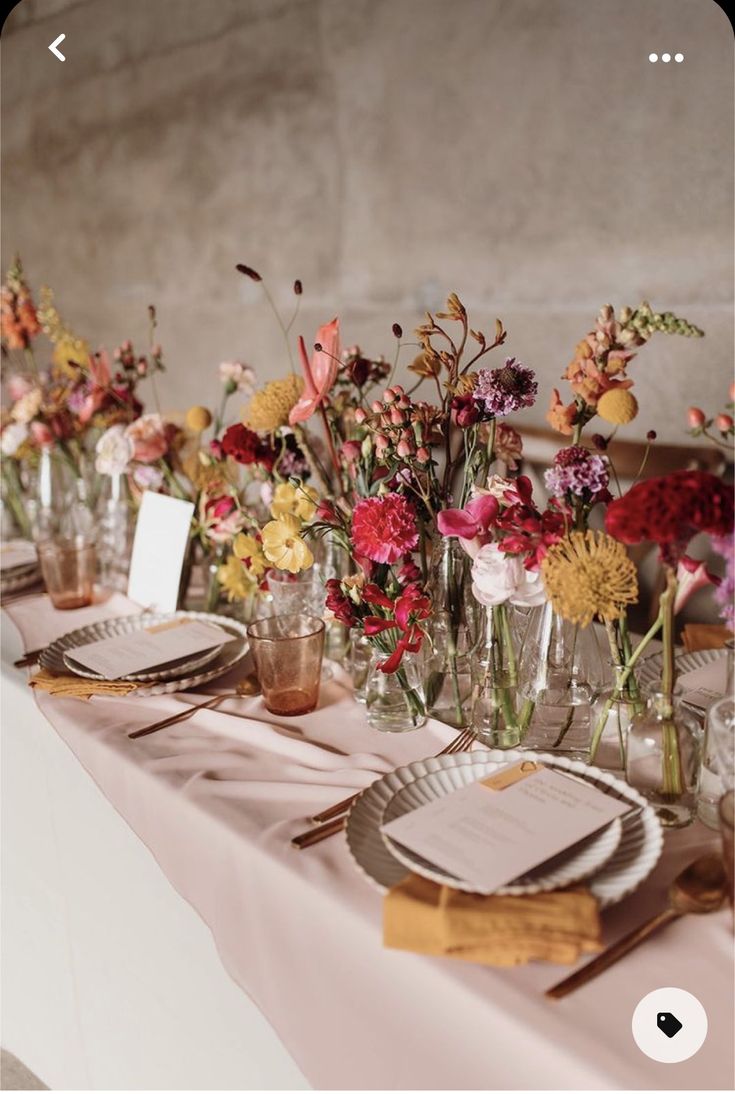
299	501
617	406
198	419
589	574
284	547
270	407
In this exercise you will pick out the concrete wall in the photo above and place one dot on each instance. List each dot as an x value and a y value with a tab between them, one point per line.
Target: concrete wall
524	153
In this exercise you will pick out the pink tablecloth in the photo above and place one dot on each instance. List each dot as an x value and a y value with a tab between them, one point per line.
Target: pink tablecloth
217	799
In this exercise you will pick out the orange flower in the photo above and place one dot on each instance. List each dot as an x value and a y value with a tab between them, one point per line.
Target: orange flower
319	373
561	417
590	382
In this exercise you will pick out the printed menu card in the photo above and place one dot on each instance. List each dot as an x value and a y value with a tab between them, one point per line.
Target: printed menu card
496	829
146	649
161	538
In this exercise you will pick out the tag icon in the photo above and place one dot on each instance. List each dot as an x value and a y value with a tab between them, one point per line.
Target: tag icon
668	1023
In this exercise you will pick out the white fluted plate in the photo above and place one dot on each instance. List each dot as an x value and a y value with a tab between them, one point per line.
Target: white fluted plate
564	869
648	673
169	679
629	864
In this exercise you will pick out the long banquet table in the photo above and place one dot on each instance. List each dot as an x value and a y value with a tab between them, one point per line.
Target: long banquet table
120	857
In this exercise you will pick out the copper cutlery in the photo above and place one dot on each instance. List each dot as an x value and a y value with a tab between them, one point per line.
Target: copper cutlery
245	688
28	659
698	889
336	815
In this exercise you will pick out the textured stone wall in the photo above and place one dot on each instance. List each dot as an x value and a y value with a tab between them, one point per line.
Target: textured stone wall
524	153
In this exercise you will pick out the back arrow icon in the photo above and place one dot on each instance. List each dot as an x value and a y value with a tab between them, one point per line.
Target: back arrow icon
54	50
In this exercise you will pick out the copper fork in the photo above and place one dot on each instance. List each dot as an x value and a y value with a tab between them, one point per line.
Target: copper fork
336	815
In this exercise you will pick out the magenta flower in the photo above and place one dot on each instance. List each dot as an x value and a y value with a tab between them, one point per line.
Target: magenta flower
472	525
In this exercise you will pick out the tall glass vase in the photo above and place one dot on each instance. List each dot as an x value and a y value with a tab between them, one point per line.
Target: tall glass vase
115	525
562	672
612	714
663	758
453	634
498	719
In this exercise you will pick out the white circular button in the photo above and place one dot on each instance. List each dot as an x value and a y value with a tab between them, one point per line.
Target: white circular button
653	57
678	57
669	1025
665	57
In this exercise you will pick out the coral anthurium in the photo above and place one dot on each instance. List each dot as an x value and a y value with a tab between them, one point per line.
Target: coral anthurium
319	374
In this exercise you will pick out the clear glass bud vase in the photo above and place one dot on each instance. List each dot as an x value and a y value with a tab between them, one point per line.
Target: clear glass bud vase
663	758
612	714
561	674
497	718
453	634
395	701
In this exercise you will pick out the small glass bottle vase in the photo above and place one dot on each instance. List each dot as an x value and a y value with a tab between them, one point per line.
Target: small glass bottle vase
561	674
496	717
612	714
453	631
663	758
395	701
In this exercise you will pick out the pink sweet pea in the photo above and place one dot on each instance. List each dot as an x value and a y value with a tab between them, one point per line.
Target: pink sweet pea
473	524
319	373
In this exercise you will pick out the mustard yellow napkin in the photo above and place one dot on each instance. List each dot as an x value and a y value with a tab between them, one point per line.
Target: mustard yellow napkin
77	687
705	636
424	917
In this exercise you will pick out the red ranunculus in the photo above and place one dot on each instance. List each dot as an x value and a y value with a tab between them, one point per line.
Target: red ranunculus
246	447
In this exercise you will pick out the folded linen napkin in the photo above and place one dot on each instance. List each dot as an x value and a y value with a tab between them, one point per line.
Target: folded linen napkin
77	686
424	917
705	636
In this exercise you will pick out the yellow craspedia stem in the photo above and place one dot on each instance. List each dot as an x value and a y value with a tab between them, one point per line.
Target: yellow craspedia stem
617	406
198	419
589	574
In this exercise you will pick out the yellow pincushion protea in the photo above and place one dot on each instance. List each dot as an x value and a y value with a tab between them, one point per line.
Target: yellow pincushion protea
284	547
617	406
270	407
589	574
198	419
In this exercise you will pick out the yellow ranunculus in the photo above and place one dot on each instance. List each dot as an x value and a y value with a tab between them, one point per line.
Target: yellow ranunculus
247	548
298	501
237	581
284	547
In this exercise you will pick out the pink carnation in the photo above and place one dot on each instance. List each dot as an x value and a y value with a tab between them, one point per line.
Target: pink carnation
384	529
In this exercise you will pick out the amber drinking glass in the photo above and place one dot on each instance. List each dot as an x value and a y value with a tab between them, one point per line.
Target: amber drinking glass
288	650
68	567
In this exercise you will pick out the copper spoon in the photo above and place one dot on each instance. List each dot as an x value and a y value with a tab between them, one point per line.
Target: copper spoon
698	889
247	687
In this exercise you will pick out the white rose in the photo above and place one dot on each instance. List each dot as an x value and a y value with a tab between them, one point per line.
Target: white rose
498	578
114	451
12	437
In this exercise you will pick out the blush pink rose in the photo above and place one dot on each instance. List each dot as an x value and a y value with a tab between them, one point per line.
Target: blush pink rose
148	434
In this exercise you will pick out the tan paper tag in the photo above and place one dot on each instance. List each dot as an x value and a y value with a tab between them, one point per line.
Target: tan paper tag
511	775
171	625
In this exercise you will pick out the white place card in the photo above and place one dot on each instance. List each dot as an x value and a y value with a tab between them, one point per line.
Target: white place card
161	538
17	552
702	686
148	649
490	836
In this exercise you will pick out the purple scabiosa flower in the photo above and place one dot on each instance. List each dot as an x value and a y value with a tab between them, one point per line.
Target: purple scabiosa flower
502	391
579	472
725	591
